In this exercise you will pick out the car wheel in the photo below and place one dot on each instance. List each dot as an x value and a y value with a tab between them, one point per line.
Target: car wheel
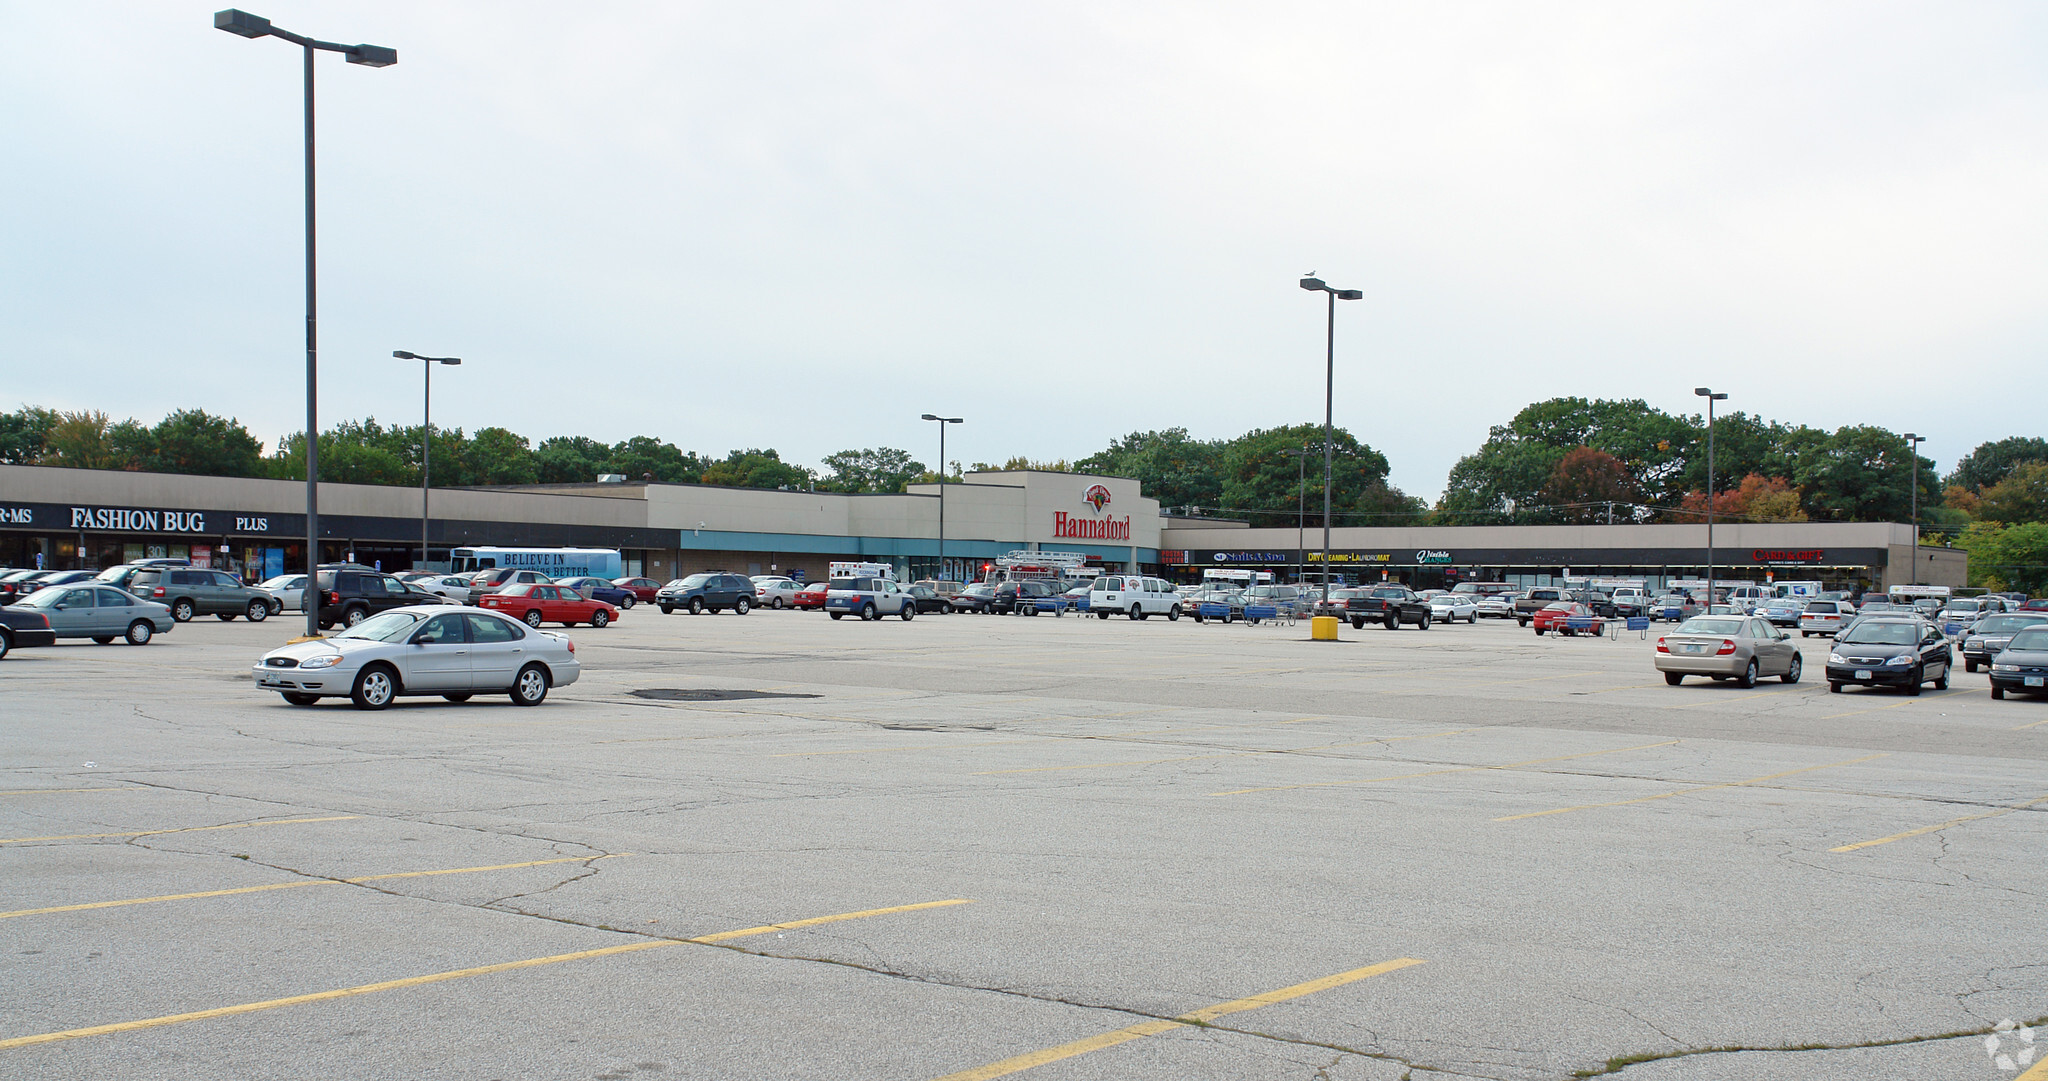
1539	632
532	619
1748	675
600	618
627	602
1997	693
1425	623
868	614
531	688
1969	665
258	611
140	632
356	615
1102	615
909	612
1674	678
276	606
775	603
103	639
1137	612
1392	622
225	617
1798	666
298	699
1521	622
6	643
668	610
1834	687
375	687
696	606
182	610
1942	683
1173	614
1358	624
740	607
1805	634
836	615
460	697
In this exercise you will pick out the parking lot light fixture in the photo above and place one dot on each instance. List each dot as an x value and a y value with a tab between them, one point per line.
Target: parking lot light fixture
1314	285
426	435
242	24
942	422
1711	398
1913	471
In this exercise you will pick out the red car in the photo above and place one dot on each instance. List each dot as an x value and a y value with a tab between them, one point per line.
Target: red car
538	604
2037	604
1552	617
811	596
642	589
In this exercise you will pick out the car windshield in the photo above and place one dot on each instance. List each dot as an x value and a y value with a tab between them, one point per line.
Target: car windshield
1705	625
384	627
110	574
44	597
980	590
1388	594
2032	638
695	580
1881	634
2008	624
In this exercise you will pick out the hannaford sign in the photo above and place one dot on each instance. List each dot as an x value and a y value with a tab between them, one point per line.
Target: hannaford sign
1066	525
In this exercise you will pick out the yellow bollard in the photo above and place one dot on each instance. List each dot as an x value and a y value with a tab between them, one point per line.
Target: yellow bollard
1323	628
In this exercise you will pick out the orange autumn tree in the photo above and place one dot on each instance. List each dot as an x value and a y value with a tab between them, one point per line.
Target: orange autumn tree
1757	498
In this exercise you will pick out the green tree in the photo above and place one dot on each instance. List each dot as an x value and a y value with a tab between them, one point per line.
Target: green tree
351	452
571	459
23	434
1171	466
197	442
1504	481
498	456
1859	474
2021	497
1264	484
642	457
756	469
2007	556
880	469
1993	462
79	441
1592	486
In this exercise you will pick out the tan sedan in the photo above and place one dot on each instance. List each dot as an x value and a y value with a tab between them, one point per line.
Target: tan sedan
1741	648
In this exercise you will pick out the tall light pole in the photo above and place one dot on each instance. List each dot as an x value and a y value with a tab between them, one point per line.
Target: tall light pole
243	24
426	434
1300	456
942	421
1711	398
1913	469
1315	285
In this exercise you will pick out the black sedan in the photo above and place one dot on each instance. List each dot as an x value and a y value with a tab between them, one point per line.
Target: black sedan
24	627
978	597
2023	666
1994	633
928	599
1902	652
1022	597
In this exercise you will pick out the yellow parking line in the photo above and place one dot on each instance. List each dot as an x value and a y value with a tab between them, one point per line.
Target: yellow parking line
295	885
1221	754
438	977
2023	727
187	829
2038	1073
1686	791
1873	709
1924	830
1020	1063
1441	772
53	791
1741	698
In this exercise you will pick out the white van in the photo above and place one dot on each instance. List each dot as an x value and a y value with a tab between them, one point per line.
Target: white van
1134	596
1748	597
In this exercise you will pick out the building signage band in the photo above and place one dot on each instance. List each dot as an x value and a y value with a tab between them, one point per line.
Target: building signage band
1773	555
86	518
1066	525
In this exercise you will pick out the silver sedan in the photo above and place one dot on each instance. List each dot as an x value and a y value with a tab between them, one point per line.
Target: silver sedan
1742	648
100	612
423	650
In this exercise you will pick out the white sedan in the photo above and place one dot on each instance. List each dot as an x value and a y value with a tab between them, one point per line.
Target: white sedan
1498	606
775	592
286	591
455	587
1451	607
423	650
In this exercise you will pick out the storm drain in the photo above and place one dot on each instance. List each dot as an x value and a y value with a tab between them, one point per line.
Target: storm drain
705	694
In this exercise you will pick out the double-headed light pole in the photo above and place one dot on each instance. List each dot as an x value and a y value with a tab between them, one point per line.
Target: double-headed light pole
942	422
426	435
1316	285
1913	471
1711	398
243	24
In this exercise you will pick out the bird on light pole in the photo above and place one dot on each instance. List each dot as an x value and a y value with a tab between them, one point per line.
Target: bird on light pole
243	24
426	434
1711	398
1314	285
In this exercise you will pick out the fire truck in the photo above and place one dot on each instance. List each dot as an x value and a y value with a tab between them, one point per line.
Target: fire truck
1020	565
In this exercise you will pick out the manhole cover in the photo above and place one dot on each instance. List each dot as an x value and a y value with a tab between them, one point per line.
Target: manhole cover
704	694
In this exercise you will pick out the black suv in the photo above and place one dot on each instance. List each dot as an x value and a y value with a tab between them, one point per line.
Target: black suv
711	590
351	596
1005	602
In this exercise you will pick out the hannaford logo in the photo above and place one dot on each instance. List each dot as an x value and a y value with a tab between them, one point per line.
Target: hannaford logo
1096	496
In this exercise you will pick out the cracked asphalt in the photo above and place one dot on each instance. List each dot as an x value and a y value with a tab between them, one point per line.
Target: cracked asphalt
1598	873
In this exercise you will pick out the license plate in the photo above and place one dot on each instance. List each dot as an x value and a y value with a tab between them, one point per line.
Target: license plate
1863	673
2032	681
1695	649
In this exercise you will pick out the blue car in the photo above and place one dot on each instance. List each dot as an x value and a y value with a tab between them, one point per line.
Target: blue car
601	589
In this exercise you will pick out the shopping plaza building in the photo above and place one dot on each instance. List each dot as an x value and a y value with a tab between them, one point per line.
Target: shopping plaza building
87	519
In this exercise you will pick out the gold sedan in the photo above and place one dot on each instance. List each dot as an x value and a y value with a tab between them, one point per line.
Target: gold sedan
1741	648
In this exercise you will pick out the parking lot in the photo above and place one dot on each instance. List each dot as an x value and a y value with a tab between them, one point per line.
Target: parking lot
779	846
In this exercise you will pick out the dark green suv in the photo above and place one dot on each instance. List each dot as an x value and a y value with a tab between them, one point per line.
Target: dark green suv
195	591
711	590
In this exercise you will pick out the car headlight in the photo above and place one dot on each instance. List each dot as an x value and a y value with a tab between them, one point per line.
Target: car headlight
1903	658
1972	643
2005	668
1836	658
321	662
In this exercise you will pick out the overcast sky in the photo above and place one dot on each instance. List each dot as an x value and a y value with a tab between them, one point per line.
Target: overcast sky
802	225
